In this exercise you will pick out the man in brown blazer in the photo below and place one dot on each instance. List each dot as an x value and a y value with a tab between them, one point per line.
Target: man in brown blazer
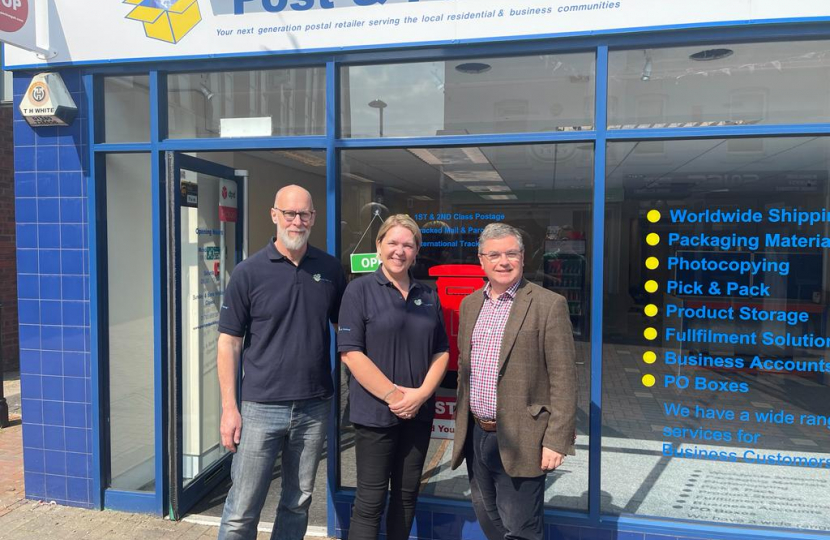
516	390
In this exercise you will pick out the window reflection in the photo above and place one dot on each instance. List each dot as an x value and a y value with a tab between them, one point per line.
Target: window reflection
489	95
127	108
732	84
278	102
130	323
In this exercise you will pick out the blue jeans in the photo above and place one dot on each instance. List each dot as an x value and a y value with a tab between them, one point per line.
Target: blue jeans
507	508
298	430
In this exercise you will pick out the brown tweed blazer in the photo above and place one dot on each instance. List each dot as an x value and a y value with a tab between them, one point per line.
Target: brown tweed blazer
537	379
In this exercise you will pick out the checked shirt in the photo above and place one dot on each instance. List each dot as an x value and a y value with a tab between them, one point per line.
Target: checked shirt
486	346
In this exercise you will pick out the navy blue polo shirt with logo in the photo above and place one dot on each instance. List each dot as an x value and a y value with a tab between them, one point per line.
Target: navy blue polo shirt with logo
283	312
399	336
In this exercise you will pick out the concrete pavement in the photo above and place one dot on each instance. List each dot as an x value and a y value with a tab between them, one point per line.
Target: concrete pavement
22	519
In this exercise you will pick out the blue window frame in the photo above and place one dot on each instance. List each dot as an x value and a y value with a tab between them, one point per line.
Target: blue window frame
339	499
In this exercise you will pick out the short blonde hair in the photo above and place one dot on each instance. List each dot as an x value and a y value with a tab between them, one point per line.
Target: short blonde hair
400	220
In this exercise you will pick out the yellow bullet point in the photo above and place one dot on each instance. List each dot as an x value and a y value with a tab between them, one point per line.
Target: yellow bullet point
652	263
649	380
651	310
653	216
649	357
653	239
651	286
650	333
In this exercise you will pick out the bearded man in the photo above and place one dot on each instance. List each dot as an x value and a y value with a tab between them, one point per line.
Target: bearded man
275	318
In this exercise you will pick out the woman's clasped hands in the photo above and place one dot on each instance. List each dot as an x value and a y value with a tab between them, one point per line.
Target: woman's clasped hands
405	402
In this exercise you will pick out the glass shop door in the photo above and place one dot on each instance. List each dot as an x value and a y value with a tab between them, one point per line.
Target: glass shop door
205	243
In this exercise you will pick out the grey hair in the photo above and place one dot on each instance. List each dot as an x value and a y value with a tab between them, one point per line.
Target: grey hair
494	231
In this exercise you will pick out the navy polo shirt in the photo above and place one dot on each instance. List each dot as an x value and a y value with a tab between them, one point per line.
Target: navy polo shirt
283	312
400	336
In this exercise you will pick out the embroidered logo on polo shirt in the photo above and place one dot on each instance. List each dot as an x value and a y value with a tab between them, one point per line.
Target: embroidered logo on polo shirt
418	302
320	279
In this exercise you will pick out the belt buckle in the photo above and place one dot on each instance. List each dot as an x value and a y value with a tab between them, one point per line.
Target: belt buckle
486	425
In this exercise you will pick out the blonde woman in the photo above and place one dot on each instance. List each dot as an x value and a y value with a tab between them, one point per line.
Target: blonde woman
393	341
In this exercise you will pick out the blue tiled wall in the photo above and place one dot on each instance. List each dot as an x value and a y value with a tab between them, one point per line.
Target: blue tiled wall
53	290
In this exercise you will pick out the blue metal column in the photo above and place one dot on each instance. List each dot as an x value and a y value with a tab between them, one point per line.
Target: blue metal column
97	426
333	246
158	94
597	285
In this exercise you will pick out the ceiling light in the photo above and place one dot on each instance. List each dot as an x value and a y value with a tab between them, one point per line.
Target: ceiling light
426	156
475	155
477	177
491	188
359	178
473	68
711	54
499	197
306	158
422	198
450	156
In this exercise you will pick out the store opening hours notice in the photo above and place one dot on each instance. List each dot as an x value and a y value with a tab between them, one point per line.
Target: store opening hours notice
736	298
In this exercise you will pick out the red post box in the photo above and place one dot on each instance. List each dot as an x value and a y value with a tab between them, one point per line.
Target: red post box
455	281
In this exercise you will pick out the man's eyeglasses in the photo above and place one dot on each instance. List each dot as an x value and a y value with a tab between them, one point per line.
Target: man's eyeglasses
289	215
495	256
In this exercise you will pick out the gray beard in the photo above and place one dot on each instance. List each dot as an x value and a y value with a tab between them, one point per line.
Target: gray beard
293	242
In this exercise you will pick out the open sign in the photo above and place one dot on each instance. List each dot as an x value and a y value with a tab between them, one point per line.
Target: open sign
364	262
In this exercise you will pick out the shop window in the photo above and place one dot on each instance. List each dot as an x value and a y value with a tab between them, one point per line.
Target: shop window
452	193
717	85
715	380
126	109
277	102
458	97
130	320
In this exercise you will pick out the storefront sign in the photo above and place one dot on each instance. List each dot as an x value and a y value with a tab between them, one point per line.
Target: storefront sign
227	201
47	102
188	28
364	262
18	24
443	427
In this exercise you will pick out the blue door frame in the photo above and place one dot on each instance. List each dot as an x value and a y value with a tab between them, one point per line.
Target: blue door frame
339	498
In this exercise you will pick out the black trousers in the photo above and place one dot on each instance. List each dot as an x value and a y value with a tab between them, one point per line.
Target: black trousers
388	458
507	508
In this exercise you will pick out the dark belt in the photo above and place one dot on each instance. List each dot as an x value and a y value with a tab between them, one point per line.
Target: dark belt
486	425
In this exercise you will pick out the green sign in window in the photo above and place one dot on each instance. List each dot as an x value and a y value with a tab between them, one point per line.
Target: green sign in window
364	262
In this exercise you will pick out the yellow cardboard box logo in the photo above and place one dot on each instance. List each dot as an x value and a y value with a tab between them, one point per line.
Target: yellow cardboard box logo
166	20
